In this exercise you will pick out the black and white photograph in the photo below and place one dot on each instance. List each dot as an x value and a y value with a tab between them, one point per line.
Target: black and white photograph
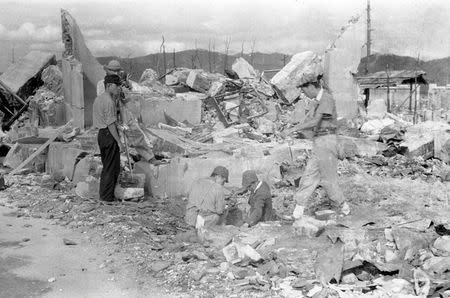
226	148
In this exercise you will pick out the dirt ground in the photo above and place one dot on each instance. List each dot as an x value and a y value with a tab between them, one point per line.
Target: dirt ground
35	262
140	249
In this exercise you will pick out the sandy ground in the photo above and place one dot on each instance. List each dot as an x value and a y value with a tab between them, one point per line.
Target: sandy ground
32	254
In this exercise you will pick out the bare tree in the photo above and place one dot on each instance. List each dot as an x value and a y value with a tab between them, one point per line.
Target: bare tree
163	50
214	54
242	48
197	56
174	59
227	49
252	53
209	55
284	59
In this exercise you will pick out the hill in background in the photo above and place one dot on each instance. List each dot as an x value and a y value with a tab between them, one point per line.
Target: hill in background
438	70
212	62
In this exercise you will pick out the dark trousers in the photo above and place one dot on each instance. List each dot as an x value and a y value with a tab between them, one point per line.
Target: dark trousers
110	154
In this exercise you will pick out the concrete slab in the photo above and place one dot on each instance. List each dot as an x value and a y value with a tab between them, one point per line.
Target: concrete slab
29	68
185	107
62	158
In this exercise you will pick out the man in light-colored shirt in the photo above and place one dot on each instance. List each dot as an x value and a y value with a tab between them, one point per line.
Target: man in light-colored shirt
206	199
105	119
322	166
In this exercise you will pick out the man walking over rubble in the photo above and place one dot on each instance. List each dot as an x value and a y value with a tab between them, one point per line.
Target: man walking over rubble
322	166
206	200
260	198
105	119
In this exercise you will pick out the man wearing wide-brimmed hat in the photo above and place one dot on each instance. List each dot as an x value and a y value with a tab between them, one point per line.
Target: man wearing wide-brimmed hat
206	200
322	166
113	68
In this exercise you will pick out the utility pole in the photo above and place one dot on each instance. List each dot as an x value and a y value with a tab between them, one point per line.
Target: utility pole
369	40
368	48
388	90
12	58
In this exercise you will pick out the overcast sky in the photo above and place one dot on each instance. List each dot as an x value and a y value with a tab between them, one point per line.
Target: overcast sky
134	28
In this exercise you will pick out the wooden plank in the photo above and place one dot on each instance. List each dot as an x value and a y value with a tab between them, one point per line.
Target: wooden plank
40	149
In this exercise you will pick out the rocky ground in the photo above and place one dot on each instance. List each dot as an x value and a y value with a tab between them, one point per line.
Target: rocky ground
152	237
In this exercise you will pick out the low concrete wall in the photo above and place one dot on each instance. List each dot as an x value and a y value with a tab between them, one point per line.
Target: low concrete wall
175	179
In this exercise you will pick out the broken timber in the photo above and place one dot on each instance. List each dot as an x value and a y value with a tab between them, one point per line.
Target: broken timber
40	149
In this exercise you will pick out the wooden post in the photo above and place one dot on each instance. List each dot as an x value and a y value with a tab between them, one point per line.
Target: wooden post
415	99
410	97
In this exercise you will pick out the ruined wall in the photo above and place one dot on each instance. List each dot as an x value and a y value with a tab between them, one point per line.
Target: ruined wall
91	70
341	61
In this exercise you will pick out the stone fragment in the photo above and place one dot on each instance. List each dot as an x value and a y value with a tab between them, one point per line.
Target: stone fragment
69	242
443	244
437	265
128	193
303	67
243	69
89	188
157	266
349	278
198	81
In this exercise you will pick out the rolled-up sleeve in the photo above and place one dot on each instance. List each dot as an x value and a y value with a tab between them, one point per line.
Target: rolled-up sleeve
109	112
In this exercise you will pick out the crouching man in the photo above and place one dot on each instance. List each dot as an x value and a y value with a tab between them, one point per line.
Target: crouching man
206	200
260	198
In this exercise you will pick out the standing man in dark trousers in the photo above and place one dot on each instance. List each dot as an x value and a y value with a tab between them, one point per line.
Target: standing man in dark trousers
105	119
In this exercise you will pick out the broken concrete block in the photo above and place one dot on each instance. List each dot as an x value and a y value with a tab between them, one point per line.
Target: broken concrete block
128	193
24	76
303	67
443	244
185	107
350	147
419	139
87	166
437	265
20	151
198	81
148	75
62	158
236	252
308	226
149	79
171	80
418	146
408	239
377	108
89	188
243	69
375	126
181	74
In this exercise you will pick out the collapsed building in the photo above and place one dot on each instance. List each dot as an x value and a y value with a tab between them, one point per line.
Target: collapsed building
194	120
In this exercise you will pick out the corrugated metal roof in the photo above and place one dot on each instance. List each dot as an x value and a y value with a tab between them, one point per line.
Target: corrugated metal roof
396	77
